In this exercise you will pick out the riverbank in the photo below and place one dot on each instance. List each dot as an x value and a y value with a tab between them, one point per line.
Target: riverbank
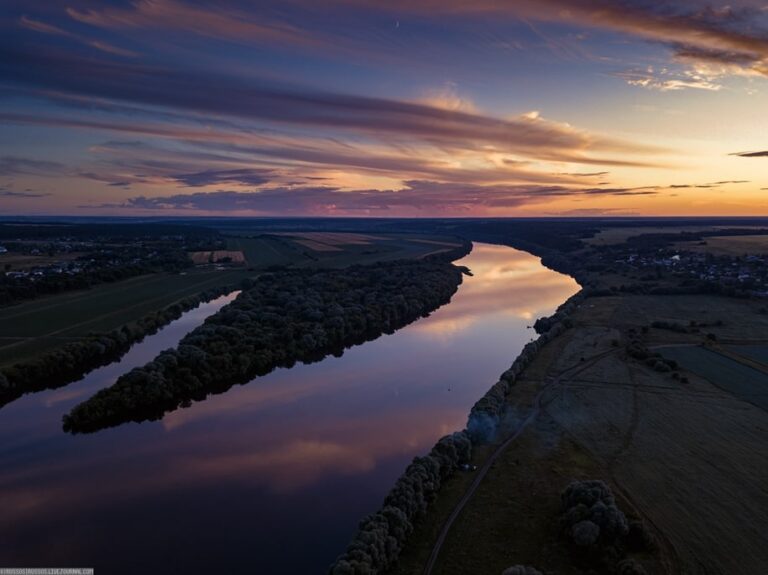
603	413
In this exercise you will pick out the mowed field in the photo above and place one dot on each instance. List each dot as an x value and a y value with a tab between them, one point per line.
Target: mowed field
335	249
47	322
729	245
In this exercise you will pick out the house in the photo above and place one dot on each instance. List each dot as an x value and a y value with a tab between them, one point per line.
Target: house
3	250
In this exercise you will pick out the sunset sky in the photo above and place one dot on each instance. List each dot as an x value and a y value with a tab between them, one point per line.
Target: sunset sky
384	107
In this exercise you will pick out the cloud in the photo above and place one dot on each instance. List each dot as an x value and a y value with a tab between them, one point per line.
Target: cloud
265	102
592	212
246	25
11	194
244	176
416	196
448	98
42	27
691	32
667	80
761	154
14	165
583	175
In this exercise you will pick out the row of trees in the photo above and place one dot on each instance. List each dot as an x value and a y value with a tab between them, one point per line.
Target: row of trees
487	413
72	361
299	315
377	544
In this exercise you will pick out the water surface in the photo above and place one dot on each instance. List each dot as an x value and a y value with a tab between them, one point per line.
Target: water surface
273	476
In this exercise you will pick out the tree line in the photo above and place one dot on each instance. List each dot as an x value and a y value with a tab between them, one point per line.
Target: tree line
72	361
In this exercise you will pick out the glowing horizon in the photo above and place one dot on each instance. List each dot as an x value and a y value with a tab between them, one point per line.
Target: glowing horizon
373	108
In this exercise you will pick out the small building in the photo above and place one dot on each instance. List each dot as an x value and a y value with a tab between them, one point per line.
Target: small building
3	250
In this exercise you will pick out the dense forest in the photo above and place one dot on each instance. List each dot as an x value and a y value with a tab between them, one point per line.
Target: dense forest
300	315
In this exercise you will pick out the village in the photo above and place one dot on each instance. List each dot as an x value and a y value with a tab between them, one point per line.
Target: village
689	267
34	266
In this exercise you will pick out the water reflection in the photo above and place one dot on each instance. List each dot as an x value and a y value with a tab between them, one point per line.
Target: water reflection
272	476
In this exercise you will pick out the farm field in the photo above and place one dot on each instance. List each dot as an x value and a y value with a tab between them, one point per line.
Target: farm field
741	380
334	249
729	245
266	251
44	323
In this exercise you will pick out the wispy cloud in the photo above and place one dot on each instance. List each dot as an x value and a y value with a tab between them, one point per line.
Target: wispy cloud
25	195
15	165
761	154
44	28
245	176
667	80
223	21
258	100
417	196
691	31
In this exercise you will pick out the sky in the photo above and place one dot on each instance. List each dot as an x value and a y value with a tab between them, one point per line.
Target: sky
384	108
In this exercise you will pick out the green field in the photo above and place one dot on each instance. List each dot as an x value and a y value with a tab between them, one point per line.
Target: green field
741	380
47	322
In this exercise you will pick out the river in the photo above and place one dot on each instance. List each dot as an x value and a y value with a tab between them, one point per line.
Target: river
270	477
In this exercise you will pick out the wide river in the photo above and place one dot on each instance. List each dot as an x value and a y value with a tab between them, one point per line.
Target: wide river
270	477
